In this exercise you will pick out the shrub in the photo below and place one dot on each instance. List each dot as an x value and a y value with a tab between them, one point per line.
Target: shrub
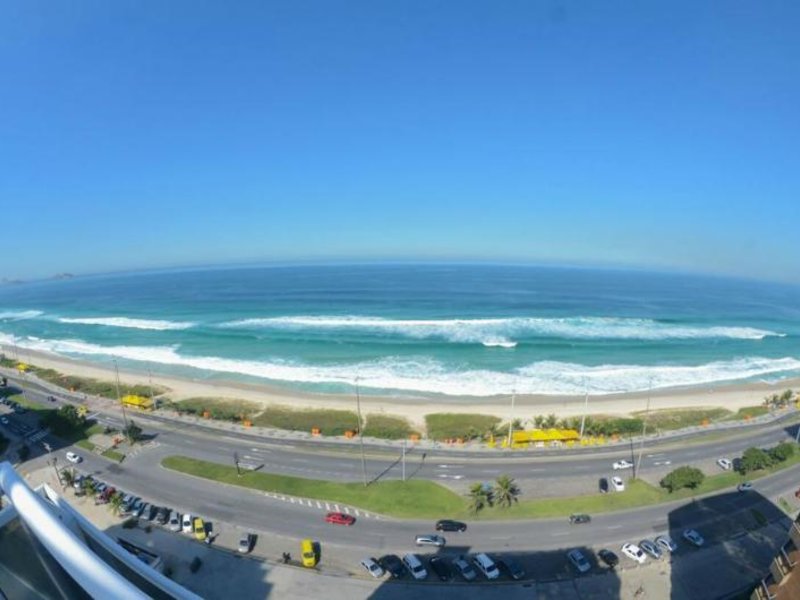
754	459
782	451
442	426
682	477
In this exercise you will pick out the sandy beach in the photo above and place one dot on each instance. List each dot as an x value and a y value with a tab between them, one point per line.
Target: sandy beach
414	408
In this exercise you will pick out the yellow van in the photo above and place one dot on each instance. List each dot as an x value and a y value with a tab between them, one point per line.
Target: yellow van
308	553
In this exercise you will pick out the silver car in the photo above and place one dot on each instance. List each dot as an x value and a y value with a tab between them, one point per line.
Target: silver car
666	544
430	540
651	548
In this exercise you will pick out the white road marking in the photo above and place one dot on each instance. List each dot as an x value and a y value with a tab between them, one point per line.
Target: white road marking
318	504
327	506
292	499
336	506
347	510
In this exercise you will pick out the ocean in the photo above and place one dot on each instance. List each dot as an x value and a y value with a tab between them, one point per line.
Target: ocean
457	330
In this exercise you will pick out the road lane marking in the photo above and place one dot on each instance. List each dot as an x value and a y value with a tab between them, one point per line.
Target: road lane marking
327	506
337	508
347	510
318	504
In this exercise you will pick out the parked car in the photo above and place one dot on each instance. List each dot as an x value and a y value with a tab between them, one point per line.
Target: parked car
373	568
393	565
186	523
439	566
199	528
246	543
162	516
666	544
633	552
73	458
308	553
338	518
619	485
464	569
174	521
143	510
430	540
579	561
694	538
579	519
622	464
151	513
725	464
650	548
603	485
415	566
136	507
745	486
448	525
486	566
510	567
609	558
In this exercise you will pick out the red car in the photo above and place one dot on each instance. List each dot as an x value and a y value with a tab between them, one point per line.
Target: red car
339	519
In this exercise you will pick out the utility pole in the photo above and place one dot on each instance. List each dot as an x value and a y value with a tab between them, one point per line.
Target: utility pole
361	434
119	399
404	459
511	418
644	429
236	462
585	406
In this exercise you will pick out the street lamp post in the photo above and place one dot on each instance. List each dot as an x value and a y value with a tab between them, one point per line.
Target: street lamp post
511	419
119	399
644	429
585	406
361	434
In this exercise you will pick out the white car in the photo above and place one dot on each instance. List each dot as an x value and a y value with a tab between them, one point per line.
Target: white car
486	566
725	464
633	552
174	521
579	561
694	538
745	486
622	464
415	566
73	458
372	567
186	524
618	484
666	543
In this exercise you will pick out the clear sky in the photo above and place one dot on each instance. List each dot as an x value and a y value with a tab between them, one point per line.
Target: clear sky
146	134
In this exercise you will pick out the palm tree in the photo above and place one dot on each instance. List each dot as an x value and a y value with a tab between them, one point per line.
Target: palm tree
506	491
115	504
480	497
90	487
68	477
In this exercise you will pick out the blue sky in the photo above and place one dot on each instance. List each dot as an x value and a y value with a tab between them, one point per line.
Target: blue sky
138	135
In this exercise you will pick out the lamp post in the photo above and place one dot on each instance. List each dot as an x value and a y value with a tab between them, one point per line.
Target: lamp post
119	399
644	429
361	433
511	418
585	406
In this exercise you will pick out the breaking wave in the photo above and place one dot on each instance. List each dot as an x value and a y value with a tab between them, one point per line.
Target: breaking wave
428	375
18	315
128	323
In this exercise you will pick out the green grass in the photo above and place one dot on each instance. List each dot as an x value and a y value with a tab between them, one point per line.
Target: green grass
443	426
329	421
415	498
114	455
388	427
681	418
751	412
222	409
86	445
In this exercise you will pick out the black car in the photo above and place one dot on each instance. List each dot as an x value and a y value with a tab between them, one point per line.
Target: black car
511	568
152	512
608	557
439	566
603	485
448	525
162	516
579	519
392	565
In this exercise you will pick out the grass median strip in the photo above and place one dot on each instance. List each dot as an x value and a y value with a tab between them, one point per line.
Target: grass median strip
415	498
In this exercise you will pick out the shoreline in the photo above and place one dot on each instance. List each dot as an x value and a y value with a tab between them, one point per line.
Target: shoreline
731	396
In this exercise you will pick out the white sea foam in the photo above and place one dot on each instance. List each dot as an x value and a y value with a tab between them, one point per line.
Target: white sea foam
499	343
506	329
427	375
18	315
128	323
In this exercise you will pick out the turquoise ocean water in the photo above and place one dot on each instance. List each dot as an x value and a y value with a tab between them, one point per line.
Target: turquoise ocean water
459	330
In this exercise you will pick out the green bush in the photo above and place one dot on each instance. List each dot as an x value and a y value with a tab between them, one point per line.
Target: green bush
329	421
682	477
443	426
387	427
221	409
782	451
754	459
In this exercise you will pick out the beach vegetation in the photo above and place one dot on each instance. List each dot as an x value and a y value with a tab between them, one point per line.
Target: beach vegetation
751	412
221	409
505	491
463	426
682	477
328	421
680	418
412	498
388	427
782	400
